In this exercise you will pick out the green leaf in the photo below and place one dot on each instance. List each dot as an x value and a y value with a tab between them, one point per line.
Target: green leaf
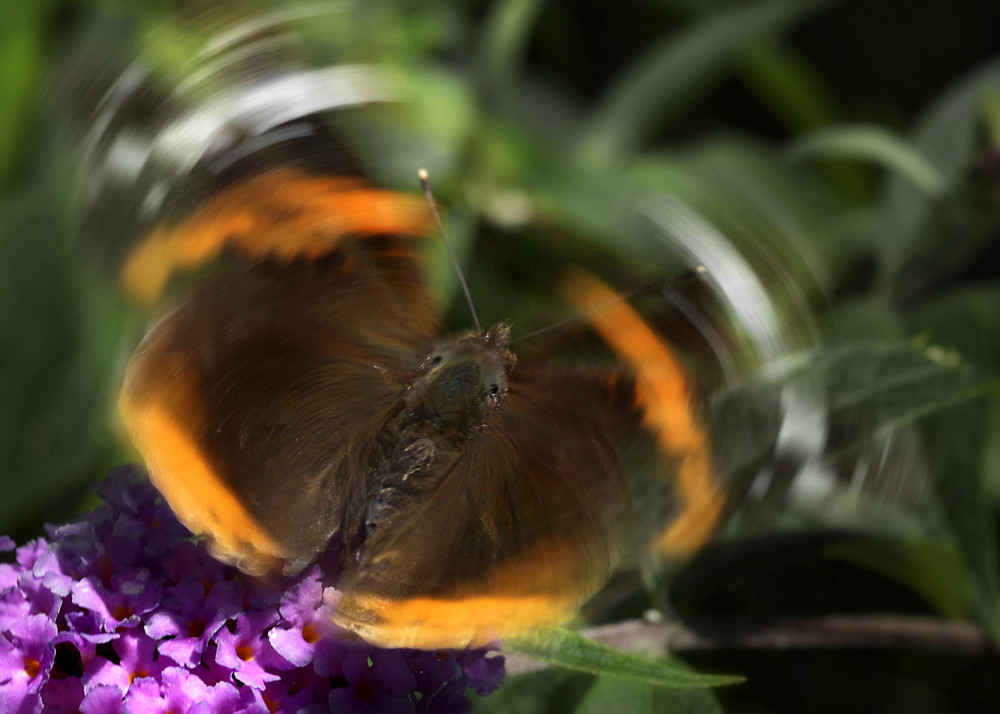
771	215
547	691
966	320
863	319
929	568
427	130
991	455
923	237
613	694
574	651
504	37
954	443
791	88
962	444
23	58
678	70
893	381
562	691
60	332
743	189
876	145
894	384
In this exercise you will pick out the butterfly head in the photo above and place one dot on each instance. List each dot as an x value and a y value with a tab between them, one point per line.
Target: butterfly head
463	380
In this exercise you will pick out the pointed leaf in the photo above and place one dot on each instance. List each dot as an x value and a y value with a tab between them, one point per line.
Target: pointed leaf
895	381
876	145
923	237
679	69
929	568
574	651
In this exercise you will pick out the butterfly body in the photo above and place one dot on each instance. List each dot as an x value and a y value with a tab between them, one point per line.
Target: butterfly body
442	407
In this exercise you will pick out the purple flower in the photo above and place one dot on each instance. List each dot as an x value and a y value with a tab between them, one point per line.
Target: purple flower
122	612
246	651
190	617
483	670
129	595
305	620
26	662
177	691
63	695
378	681
102	700
132	656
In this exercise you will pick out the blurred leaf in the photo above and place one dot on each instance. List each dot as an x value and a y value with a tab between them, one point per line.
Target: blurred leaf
954	441
863	319
548	691
690	6
876	145
991	455
574	651
789	225
503	40
788	85
961	443
891	380
611	694
678	70
966	320
767	575
947	392
785	82
428	130
56	381
23	58
786	225
931	569
923	237
561	691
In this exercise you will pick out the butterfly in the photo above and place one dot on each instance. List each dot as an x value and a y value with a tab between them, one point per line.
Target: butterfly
303	398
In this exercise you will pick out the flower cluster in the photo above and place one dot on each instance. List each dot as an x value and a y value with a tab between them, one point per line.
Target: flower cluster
123	612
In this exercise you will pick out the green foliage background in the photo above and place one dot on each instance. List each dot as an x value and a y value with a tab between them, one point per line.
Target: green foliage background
866	133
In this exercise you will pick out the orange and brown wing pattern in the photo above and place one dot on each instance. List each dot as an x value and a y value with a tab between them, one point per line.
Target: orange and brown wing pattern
282	214
271	405
254	400
666	400
523	529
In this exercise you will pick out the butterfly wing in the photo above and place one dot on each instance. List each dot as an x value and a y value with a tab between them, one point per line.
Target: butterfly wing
664	407
256	401
282	214
518	533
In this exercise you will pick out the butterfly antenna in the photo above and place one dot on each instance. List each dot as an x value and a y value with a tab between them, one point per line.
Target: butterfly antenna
426	183
678	281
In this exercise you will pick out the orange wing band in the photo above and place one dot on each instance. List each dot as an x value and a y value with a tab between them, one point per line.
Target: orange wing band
664	396
161	414
282	214
487	610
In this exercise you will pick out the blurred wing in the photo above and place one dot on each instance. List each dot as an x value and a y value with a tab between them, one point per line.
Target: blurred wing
283	214
522	530
256	402
664	401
